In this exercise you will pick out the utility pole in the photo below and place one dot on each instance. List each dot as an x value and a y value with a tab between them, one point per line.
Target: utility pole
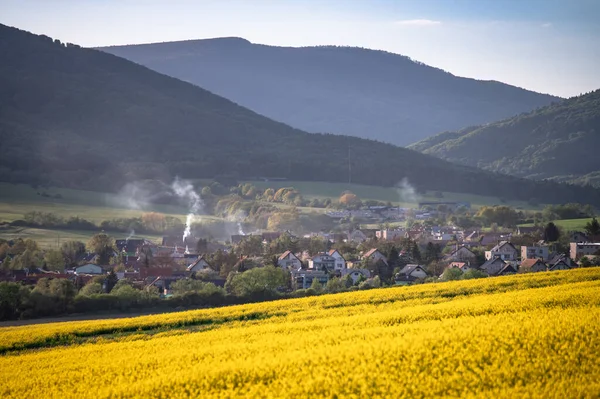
349	167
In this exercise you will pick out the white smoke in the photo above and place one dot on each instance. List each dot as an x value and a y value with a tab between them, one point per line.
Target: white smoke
184	189
131	234
406	192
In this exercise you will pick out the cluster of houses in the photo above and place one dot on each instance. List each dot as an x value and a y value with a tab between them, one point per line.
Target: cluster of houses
181	260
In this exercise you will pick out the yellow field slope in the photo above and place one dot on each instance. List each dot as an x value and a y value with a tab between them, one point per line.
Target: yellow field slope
531	335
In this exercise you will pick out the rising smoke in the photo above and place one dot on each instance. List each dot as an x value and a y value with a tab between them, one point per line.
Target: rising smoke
184	189
406	192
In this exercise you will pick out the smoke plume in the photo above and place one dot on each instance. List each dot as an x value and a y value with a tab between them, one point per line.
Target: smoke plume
406	192
185	190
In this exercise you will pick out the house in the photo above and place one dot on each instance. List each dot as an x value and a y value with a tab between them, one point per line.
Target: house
269	236
409	274
560	262
578	236
462	254
505	250
532	265
463	266
288	260
581	249
163	284
508	269
322	262
130	247
559	265
340	262
89	268
493	266
355	274
198	265
472	236
534	230
389	234
493	238
374	256
357	236
535	252
302	279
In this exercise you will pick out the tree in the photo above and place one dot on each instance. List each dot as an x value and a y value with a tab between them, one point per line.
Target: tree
27	260
335	285
316	285
103	246
592	227
91	289
452	273
71	251
54	260
350	200
432	252
250	245
258	281
551	233
111	281
154	221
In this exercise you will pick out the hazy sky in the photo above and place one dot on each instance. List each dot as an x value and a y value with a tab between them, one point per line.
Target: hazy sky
551	46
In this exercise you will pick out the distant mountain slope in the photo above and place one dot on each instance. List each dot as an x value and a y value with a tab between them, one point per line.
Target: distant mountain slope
561	141
84	118
344	90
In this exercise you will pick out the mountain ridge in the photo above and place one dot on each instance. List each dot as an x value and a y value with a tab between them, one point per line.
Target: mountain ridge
557	142
337	89
83	118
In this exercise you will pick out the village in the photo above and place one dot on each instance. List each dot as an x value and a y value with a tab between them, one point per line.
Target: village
361	258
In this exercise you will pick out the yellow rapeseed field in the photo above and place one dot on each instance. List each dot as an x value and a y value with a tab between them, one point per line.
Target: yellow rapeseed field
535	335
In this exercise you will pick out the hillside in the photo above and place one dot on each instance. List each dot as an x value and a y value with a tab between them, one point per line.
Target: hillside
560	142
344	90
82	118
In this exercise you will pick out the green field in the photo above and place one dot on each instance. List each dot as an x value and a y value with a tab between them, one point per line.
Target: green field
47	238
16	200
333	190
567	224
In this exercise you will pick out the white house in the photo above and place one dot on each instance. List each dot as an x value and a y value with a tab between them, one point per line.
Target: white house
321	262
340	262
409	274
355	274
90	268
198	265
288	260
504	250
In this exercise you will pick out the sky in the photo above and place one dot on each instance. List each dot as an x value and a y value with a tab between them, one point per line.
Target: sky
550	46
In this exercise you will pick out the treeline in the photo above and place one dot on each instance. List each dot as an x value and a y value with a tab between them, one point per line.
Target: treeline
54	297
147	223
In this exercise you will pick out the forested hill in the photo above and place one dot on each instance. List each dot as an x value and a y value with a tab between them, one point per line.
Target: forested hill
560	141
344	90
84	118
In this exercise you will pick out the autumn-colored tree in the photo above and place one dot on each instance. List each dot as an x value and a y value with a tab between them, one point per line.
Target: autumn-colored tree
154	221
350	200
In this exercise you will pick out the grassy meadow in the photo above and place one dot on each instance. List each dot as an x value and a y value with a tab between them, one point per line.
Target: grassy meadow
532	335
323	190
567	224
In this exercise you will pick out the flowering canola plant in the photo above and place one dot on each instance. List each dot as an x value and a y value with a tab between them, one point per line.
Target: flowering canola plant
533	335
